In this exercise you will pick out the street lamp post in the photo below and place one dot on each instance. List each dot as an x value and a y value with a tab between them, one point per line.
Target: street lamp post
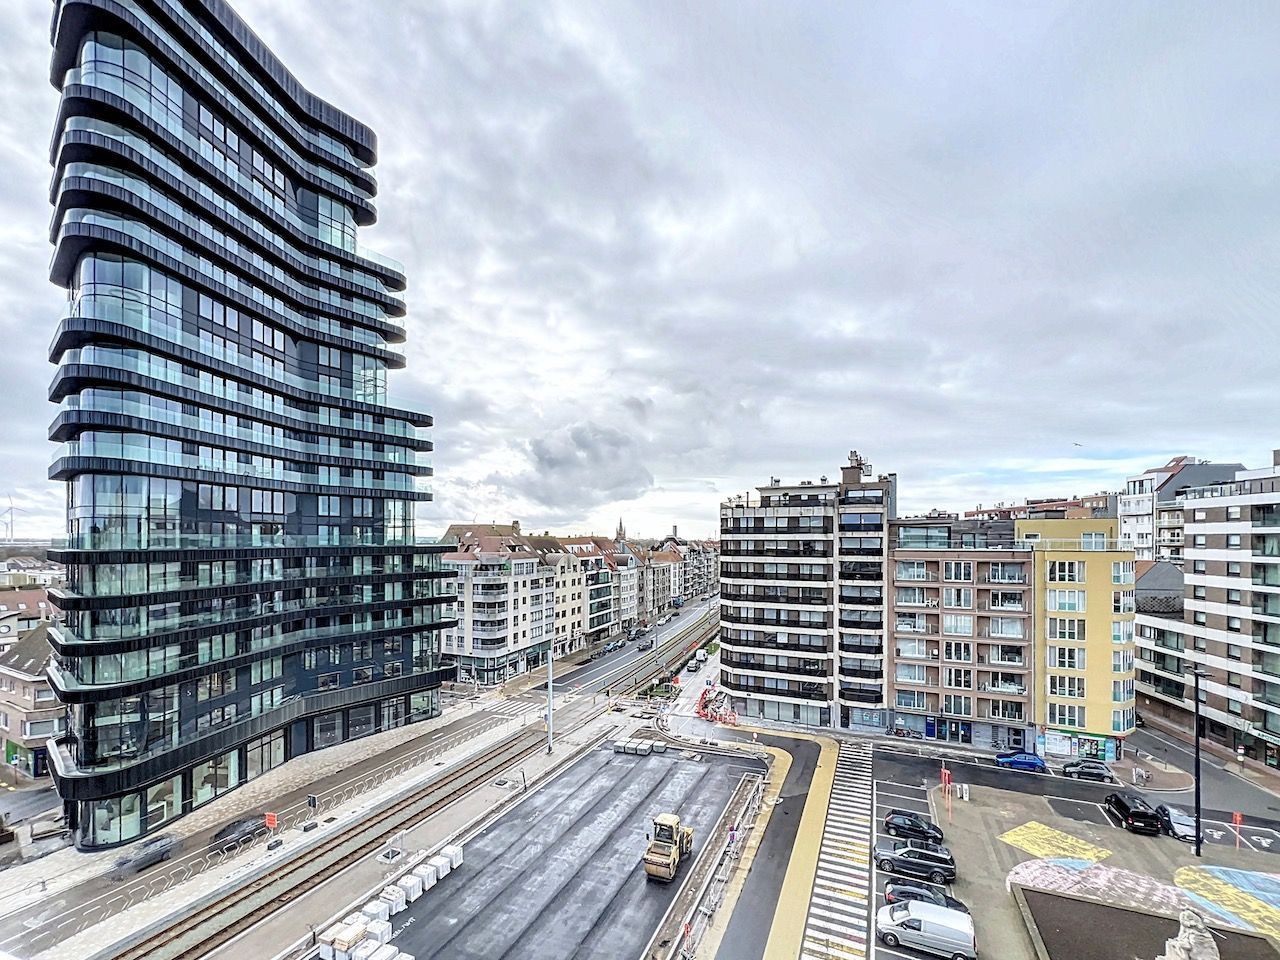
1197	673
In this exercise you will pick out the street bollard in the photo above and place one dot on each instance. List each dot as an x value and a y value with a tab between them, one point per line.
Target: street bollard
965	788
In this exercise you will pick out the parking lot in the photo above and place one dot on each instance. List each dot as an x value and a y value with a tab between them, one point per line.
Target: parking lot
913	798
1020	818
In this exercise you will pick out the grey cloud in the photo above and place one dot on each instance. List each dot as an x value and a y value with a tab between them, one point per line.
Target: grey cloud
684	248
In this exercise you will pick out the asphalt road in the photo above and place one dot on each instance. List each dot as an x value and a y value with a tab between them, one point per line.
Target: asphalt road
591	676
748	930
560	875
1220	788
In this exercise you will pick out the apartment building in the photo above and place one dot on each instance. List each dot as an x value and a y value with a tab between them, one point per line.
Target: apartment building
1139	507
802	599
505	604
1229	621
963	648
569	587
1084	630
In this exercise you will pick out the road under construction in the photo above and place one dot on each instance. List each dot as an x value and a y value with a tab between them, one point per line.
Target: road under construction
91	913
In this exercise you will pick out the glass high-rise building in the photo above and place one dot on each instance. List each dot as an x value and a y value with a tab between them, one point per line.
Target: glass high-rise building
244	584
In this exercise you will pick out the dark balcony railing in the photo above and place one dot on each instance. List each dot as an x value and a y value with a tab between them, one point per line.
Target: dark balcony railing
860	497
759	529
799	550
861	696
727	640
861	527
863	673
807	692
809	601
730	617
818	670
861	624
862	601
864	649
861	552
733	573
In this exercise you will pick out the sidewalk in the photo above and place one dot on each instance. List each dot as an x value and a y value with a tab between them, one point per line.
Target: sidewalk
1258	774
239	870
34	880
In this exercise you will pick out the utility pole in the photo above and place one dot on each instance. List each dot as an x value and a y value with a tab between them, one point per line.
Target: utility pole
1198	673
551	659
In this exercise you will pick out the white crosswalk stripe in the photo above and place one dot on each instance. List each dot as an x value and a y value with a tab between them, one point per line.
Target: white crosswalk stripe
837	923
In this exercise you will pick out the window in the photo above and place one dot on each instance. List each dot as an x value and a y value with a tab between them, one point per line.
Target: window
1234	706
1233	596
1066	600
910	699
957	624
1233	541
1198	540
1233	568
1198	515
1060	686
1233	624
1066	571
1066	658
912	570
1200	618
1121	691
958	650
1122	661
957	705
957	677
1233	513
1233	652
1198	592
958	597
1062	628
1093	541
961	570
1122	571
1122	631
1122	601
1233	680
1066	715
1122	720
1198	566
1199	643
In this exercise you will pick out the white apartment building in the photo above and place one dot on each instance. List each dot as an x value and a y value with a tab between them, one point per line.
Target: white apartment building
1229	621
1139	506
802	590
505	608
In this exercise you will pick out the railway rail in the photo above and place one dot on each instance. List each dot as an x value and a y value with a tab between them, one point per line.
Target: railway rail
202	930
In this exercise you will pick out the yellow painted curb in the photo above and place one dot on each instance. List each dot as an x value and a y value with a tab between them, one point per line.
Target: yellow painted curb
786	934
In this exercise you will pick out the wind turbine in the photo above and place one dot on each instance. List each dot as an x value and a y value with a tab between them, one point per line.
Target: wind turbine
9	515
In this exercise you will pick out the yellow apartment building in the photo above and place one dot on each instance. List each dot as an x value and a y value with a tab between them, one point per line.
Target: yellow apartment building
1084	613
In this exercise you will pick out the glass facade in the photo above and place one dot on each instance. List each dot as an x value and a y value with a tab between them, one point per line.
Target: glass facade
244	581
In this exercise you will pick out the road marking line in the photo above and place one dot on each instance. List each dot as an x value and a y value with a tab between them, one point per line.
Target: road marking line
1041	840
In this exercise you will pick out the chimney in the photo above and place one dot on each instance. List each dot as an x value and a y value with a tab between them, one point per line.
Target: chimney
1275	458
673	530
515	526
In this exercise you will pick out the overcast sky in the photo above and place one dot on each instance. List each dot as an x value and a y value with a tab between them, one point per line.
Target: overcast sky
658	252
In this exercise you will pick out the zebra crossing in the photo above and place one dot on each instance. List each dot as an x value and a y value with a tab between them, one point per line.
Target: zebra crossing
838	922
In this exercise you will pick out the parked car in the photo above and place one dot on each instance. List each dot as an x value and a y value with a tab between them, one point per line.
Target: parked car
148	853
1134	812
916	858
238	832
692	667
1138	720
1020	760
928	928
899	891
1177	823
676	614
645	644
1088	770
913	826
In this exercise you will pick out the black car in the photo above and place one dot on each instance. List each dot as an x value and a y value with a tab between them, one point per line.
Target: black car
1138	721
239	832
913	826
898	890
1135	814
916	858
1088	770
1177	823
148	853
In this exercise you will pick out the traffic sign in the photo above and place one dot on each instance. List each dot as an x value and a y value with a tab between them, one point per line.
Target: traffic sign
272	821
313	801
1237	818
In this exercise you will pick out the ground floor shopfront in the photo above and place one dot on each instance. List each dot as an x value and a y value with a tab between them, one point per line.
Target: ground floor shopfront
1072	744
492	670
990	734
32	761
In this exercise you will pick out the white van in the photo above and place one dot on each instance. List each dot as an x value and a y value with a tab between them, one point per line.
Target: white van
928	928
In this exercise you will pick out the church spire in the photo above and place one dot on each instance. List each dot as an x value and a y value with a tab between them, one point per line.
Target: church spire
621	532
